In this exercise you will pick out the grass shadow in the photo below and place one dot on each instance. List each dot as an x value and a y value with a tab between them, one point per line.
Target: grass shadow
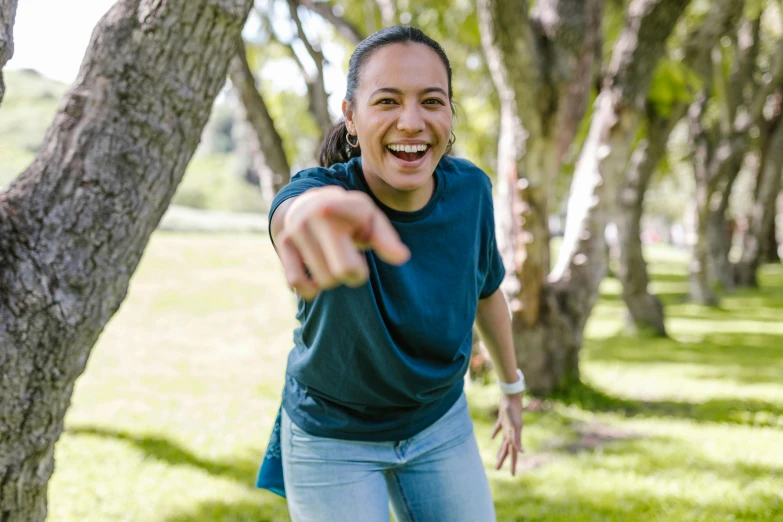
656	478
240	470
744	357
728	411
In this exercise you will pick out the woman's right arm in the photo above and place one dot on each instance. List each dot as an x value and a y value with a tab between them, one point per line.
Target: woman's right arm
319	237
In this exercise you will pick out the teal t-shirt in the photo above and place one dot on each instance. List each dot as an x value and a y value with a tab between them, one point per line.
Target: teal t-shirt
384	361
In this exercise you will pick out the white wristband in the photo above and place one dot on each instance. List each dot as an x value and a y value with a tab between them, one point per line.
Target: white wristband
514	387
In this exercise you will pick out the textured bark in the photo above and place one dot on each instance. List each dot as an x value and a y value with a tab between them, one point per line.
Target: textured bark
756	244
317	96
532	64
541	67
272	163
7	17
619	107
74	225
645	310
346	29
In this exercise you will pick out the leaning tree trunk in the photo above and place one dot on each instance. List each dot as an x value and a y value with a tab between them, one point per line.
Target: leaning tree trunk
74	225
7	17
548	316
762	219
272	163
535	104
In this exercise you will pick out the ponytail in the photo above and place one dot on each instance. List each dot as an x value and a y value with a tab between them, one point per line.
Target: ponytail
335	148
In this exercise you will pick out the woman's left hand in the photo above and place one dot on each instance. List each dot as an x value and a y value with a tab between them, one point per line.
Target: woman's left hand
510	423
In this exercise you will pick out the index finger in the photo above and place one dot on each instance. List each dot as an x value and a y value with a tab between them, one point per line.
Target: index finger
373	228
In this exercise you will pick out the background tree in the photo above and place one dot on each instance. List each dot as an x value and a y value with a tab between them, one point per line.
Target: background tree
673	88
267	152
549	314
756	245
74	225
721	123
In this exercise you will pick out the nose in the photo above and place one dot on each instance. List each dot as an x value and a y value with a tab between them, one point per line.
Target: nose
411	120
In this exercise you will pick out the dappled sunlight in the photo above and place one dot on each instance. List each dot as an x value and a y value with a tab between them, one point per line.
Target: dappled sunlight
170	420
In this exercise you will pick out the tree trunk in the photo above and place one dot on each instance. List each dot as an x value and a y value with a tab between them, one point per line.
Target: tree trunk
772	248
720	236
274	170
74	225
527	67
619	107
756	244
645	310
700	278
7	17
717	156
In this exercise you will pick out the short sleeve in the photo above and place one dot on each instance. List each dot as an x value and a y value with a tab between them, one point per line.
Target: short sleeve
491	260
300	183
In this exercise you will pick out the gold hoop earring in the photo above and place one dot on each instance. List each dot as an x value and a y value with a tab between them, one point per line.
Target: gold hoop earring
348	139
453	139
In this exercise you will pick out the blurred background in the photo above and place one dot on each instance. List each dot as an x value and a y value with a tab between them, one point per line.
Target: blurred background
658	390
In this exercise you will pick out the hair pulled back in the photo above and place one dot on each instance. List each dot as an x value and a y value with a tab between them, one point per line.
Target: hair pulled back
335	148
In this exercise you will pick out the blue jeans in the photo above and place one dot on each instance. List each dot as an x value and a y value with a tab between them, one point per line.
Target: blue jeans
435	476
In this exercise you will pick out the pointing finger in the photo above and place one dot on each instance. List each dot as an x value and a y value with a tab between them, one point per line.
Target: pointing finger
372	228
294	270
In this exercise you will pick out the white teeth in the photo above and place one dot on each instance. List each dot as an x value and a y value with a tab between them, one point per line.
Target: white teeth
408	148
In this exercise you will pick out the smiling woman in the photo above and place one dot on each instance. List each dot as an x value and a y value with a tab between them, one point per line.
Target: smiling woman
390	246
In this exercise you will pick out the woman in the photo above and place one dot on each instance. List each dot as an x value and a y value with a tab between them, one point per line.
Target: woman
390	247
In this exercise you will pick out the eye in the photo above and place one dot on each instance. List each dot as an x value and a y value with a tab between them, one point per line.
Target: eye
385	101
433	101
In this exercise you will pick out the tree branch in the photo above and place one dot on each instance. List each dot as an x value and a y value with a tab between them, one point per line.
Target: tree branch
7	18
345	28
319	99
270	144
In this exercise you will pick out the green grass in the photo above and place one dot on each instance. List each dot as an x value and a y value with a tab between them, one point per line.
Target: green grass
170	419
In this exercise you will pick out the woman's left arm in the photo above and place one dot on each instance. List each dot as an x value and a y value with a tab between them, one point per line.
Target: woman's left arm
494	326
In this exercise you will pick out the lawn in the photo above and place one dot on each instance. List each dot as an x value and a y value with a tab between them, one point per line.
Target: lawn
170	419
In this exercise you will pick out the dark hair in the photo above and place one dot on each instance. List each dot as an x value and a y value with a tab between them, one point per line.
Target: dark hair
335	148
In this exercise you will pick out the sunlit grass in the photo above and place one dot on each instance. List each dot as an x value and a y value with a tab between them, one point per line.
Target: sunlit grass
170	419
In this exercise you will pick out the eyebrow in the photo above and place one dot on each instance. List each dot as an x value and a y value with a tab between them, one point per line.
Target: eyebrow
398	92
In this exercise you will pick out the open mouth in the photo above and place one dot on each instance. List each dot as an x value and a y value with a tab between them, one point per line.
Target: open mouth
408	152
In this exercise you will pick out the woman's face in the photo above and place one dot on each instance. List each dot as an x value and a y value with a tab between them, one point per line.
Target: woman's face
402	117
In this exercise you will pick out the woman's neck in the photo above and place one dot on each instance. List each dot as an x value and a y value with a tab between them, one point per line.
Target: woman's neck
401	200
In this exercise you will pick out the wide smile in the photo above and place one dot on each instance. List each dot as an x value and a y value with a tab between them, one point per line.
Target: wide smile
409	156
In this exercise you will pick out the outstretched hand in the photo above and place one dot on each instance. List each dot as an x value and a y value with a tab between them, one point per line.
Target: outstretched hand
324	232
510	423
